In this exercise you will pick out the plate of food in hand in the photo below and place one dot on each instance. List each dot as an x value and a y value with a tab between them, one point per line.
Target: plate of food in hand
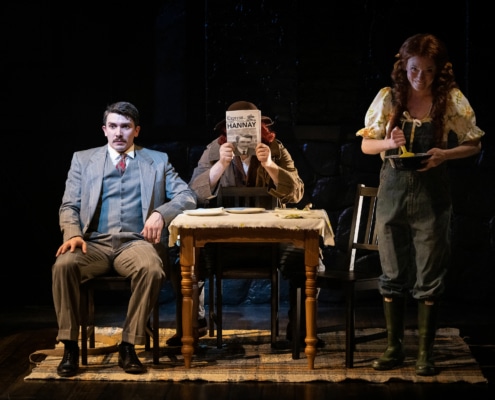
409	163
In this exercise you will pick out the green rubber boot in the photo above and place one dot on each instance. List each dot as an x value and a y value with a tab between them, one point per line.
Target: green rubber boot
393	356
427	317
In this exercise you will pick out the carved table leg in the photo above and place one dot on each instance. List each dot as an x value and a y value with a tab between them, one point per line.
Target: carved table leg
187	273
311	260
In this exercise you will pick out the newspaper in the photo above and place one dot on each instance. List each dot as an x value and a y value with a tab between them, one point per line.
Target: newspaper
243	130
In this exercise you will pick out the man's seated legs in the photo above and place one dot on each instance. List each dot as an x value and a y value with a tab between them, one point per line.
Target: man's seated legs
142	263
138	260
68	271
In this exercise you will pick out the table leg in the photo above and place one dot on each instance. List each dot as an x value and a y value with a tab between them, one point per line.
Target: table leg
187	274
311	260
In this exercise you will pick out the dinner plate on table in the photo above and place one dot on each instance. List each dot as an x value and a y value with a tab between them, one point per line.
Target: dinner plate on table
244	210
204	212
289	213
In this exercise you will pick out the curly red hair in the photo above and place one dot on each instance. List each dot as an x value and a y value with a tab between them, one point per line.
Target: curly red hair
428	46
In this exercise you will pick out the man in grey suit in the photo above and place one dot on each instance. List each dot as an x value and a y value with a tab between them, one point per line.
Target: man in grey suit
118	202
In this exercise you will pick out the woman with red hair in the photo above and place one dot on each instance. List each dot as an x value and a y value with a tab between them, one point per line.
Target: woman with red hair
423	111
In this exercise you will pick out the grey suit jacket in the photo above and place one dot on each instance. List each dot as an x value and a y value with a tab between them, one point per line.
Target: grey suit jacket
162	189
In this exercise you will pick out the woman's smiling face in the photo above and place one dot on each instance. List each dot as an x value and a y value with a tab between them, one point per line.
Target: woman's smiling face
420	72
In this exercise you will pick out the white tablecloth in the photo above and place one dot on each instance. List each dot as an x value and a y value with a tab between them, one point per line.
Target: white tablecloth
306	220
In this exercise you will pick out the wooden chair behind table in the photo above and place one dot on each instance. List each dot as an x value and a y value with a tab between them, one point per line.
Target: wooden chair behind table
107	284
230	259
362	244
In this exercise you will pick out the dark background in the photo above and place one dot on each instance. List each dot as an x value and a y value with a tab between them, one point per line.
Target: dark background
182	63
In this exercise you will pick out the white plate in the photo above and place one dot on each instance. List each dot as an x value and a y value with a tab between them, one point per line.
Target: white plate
244	210
285	211
205	211
292	213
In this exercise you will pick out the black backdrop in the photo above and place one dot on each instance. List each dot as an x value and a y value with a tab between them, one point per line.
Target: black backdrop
182	64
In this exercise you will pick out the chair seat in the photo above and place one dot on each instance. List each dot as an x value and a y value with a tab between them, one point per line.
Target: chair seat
112	283
329	277
246	273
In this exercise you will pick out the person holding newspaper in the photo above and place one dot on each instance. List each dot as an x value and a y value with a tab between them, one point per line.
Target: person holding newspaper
222	164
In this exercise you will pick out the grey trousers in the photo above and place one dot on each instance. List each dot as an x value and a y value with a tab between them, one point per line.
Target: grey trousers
136	259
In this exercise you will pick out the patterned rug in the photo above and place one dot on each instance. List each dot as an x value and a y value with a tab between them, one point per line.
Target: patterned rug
248	356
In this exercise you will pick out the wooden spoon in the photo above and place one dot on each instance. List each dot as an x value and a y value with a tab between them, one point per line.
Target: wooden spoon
405	153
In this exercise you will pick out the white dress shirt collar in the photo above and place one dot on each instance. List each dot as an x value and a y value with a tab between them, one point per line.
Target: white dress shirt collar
115	155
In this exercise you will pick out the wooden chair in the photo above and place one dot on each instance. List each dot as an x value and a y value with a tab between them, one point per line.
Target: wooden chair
229	259
362	242
112	283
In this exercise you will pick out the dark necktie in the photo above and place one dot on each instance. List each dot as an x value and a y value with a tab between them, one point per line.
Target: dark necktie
121	164
244	152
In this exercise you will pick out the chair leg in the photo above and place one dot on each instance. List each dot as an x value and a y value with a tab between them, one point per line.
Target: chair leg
87	317
84	325
275	290
195	308
277	327
274	308
156	332
219	309
296	322
153	332
91	318
147	338
211	304
350	338
178	313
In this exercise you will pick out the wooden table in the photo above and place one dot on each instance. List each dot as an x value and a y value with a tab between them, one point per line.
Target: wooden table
267	226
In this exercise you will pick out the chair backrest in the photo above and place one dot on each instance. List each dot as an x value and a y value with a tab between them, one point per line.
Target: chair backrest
239	256
241	196
245	260
363	235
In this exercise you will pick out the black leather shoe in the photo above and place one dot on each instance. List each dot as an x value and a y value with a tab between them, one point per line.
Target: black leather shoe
176	340
70	361
128	359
